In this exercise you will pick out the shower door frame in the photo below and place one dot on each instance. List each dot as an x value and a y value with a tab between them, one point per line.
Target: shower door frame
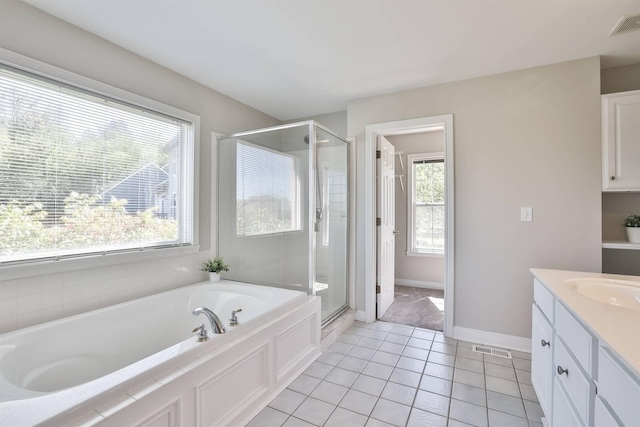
313	173
349	291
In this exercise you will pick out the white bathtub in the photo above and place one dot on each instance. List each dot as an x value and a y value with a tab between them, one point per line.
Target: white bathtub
103	366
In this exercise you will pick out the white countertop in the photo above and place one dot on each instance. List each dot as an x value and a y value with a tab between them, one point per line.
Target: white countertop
618	328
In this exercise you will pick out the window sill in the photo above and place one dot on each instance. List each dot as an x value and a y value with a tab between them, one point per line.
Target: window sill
39	268
425	254
269	234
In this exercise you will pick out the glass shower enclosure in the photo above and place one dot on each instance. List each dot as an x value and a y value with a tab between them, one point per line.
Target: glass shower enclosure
283	207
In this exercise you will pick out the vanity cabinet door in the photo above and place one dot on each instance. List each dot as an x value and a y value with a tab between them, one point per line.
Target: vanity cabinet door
621	141
603	416
564	414
542	359
618	387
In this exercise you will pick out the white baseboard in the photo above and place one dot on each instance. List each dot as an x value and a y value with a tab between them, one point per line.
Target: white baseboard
475	336
360	316
419	284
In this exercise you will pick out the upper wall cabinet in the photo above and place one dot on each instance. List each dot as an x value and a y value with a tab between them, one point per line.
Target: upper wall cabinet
621	141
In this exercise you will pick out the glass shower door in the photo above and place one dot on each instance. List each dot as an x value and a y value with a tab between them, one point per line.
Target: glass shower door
283	210
331	223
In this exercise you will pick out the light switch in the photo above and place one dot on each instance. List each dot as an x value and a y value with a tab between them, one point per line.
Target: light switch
526	214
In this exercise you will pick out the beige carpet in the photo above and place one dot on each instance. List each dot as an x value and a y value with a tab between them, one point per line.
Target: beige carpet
422	308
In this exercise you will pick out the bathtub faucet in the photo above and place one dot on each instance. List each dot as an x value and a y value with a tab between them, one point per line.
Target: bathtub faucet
216	325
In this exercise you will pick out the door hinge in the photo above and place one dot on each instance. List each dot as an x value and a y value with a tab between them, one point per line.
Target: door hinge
378	222
378	154
377	289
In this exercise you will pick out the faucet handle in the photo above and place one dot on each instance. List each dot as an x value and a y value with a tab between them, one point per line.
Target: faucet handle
202	333
233	320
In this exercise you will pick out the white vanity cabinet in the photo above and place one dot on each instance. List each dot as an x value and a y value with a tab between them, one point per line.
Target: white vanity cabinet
579	381
621	141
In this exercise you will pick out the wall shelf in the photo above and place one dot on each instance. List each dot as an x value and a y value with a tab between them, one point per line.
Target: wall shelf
619	244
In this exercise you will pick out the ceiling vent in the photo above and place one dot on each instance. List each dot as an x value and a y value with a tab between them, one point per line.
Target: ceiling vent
627	24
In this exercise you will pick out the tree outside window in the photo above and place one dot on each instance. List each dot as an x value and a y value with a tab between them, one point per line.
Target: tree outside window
426	210
267	191
80	173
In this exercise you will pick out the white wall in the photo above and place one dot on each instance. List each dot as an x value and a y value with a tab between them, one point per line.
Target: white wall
525	138
426	269
620	79
38	298
337	121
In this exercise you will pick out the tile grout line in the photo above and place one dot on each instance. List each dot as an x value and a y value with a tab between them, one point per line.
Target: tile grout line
381	339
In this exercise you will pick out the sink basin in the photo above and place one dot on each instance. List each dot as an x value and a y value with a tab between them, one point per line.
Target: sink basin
619	293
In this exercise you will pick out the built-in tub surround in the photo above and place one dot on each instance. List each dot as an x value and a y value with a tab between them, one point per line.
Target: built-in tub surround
101	365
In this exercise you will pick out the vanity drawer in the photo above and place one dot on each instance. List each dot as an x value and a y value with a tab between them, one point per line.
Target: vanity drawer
544	298
581	342
619	388
579	387
602	415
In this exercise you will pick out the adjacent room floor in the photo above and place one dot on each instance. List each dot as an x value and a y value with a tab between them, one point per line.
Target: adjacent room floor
422	308
382	374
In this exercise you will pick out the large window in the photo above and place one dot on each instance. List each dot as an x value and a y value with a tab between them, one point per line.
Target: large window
81	173
267	191
426	204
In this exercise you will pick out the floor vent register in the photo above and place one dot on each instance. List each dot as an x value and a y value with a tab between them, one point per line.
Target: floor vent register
492	351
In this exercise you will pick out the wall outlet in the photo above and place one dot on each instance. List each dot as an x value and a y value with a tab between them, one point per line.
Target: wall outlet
526	214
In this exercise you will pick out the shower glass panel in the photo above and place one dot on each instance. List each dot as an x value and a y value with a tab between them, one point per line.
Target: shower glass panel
282	210
331	222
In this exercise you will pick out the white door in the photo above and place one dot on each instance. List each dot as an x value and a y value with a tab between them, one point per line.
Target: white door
385	224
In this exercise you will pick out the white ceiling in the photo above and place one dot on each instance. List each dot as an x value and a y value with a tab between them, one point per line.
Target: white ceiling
299	58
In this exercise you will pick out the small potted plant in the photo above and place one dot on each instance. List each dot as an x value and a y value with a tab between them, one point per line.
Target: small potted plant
214	267
632	222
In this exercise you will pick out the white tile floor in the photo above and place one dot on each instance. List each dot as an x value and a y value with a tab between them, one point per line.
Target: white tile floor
383	374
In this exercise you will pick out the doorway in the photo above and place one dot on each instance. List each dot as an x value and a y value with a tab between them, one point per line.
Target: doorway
418	235
418	229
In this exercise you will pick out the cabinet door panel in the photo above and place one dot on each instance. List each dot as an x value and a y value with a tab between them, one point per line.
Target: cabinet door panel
563	413
602	415
542	359
578	338
579	387
618	387
621	142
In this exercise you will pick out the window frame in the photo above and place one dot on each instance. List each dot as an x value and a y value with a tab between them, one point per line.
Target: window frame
297	208
50	73
411	237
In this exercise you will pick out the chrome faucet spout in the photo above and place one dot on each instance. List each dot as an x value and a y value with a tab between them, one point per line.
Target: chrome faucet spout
216	325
